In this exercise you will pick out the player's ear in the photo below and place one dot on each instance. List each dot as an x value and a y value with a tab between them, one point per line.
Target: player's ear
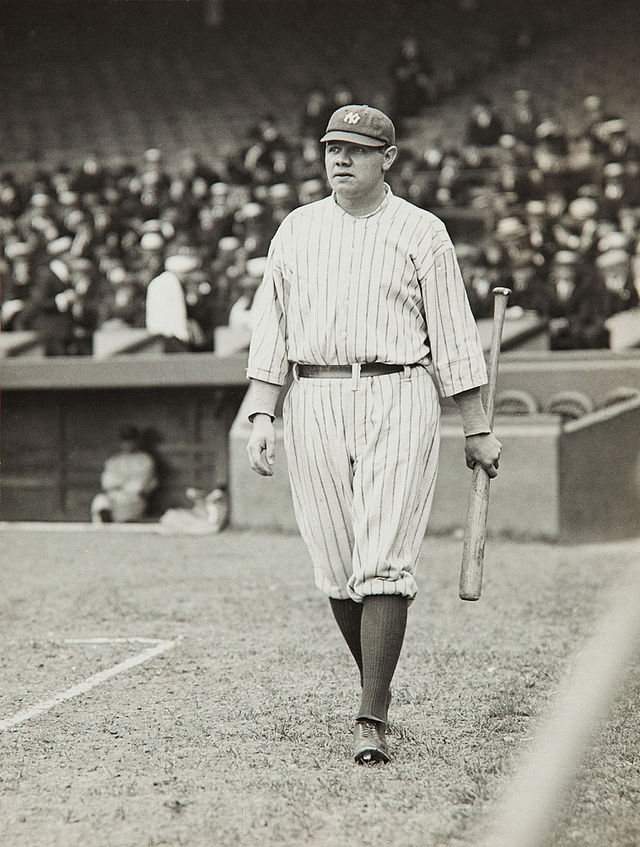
390	155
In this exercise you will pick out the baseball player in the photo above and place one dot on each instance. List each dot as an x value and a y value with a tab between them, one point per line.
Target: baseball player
363	300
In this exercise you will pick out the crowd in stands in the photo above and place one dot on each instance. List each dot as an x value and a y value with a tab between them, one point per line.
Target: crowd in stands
81	246
559	220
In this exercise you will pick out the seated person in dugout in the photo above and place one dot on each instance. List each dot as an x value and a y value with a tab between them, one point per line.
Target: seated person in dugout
127	481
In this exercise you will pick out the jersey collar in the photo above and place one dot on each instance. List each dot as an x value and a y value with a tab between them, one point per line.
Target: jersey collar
388	193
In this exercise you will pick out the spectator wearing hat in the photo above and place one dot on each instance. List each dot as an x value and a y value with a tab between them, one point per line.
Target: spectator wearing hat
513	183
310	190
576	229
192	167
475	277
83	305
614	269
618	146
149	256
90	178
412	81
614	190
550	153
540	233
15	274
226	269
255	163
240	314
484	125
523	118
222	211
529	282
166	308
281	199
253	226
307	163
47	313
578	306
342	94
202	318
512	234
11	195
451	189
123	306
594	117
316	111
493	269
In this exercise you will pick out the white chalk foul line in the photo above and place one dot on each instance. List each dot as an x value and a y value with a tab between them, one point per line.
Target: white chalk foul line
97	679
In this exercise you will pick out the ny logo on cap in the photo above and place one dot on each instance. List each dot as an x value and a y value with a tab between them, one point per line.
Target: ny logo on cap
351	118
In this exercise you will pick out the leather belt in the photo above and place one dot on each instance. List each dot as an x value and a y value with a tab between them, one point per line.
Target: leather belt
346	371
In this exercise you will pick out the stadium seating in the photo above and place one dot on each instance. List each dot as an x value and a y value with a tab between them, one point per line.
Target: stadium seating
115	80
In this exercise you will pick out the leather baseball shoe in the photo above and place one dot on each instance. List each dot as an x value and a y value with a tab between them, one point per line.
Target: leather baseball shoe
370	745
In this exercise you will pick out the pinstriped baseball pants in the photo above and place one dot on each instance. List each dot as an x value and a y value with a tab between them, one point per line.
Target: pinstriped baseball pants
363	459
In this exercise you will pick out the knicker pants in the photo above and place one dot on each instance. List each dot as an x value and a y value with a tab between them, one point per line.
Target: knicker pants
362	465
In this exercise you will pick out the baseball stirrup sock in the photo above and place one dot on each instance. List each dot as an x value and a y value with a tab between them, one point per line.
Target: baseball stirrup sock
384	620
348	614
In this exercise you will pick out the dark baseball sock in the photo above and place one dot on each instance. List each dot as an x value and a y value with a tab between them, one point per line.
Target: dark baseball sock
384	620
348	614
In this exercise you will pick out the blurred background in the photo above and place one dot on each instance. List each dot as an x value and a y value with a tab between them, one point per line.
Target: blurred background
149	149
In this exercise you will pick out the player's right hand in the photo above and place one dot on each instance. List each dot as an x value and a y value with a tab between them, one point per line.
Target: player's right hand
261	447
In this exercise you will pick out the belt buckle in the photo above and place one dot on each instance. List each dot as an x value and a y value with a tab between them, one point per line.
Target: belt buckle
355	376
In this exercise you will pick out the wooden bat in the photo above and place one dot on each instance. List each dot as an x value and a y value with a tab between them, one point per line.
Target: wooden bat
475	531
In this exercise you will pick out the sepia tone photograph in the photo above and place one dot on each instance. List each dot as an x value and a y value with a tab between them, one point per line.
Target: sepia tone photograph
320	423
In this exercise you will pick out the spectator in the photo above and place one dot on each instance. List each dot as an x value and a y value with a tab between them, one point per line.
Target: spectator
567	193
577	305
412	81
484	126
316	112
617	146
341	95
127	481
524	117
240	315
47	312
166	308
615	270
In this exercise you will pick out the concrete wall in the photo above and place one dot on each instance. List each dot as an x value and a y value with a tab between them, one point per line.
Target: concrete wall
573	482
600	479
60	419
528	483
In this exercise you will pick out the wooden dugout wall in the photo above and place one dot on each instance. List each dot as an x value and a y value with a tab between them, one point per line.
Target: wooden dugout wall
60	417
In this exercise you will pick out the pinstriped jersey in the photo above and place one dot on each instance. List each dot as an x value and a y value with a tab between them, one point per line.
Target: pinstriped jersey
384	287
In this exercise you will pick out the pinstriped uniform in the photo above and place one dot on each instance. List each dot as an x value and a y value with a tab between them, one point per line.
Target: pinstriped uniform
340	289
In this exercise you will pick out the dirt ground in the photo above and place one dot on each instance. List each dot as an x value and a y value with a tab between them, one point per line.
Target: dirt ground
239	731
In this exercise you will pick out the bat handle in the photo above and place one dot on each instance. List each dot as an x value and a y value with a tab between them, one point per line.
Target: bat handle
501	298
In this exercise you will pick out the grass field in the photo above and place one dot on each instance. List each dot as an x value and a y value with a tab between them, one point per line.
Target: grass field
237	731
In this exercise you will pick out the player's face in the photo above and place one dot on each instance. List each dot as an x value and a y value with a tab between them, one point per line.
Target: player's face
354	170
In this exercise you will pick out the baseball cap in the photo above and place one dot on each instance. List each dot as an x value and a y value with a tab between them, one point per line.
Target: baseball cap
360	125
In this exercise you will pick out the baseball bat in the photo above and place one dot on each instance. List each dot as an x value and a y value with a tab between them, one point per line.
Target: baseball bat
475	531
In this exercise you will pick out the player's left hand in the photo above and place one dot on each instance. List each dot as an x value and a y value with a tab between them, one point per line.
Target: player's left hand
483	450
